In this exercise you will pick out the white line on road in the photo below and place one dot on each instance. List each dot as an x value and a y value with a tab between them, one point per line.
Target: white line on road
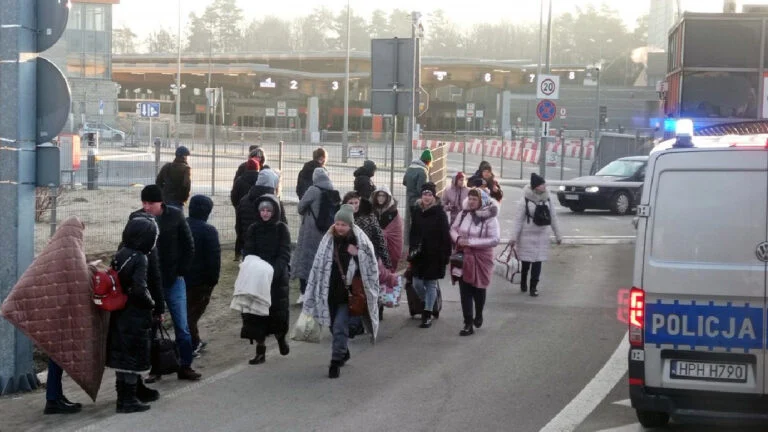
593	393
626	403
635	427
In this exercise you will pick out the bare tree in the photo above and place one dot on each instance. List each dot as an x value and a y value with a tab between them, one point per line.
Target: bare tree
123	40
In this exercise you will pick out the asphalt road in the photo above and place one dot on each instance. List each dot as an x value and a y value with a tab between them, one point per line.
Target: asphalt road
527	362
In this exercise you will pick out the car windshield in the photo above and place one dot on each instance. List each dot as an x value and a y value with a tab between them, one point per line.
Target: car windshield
620	168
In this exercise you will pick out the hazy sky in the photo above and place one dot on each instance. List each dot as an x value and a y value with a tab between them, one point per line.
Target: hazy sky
144	15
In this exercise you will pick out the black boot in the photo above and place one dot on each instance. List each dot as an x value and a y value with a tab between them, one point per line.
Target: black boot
534	283
119	385
524	284
283	344
346	358
261	355
130	403
426	319
144	393
478	321
468	329
335	370
61	406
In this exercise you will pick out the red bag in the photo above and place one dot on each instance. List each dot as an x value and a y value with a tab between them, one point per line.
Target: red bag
108	295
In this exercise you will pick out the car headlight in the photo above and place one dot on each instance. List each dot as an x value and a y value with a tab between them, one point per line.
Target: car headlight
592	189
561	188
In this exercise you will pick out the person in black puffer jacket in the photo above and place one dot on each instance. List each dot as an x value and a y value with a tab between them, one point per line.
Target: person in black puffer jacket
129	339
242	186
175	179
248	211
203	275
269	239
304	181
363	180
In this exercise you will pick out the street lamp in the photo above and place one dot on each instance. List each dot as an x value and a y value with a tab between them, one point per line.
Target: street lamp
345	133
178	76
176	91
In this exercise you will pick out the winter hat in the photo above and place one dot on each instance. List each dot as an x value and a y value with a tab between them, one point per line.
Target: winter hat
429	186
426	156
268	178
182	151
266	204
370	166
345	214
252	165
152	194
536	180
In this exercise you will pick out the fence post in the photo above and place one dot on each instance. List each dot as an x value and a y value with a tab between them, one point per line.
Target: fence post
522	155
562	157
53	194
464	155
501	159
280	154
581	155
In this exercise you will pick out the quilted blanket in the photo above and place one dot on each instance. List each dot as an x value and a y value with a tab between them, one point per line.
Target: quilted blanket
51	304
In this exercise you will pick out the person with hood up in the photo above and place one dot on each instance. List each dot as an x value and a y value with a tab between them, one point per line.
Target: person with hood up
385	210
415	176
269	239
319	157
247	211
309	233
242	186
532	240
203	275
453	197
430	248
175	179
129	339
344	252
363	179
484	177
475	232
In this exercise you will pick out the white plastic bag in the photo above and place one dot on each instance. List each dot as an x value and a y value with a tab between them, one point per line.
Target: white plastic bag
307	329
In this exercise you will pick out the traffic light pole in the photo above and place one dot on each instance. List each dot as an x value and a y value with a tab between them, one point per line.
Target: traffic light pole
597	108
17	180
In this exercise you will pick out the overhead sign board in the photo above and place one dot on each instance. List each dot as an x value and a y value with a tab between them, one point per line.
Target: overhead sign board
270	112
392	74
548	87
268	83
293	112
281	110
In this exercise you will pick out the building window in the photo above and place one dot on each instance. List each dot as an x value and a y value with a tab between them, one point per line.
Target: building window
95	17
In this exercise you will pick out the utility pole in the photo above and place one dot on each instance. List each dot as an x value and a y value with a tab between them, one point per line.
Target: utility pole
178	78
415	20
548	58
345	134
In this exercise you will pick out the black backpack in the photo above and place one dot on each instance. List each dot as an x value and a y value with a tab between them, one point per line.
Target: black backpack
330	201
541	215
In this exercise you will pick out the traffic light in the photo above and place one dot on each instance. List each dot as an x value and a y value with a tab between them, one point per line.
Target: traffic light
603	115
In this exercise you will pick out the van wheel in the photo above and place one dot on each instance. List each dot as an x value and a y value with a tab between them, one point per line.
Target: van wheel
652	419
621	203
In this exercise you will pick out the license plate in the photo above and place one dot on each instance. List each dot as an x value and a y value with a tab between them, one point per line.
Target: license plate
572	197
728	372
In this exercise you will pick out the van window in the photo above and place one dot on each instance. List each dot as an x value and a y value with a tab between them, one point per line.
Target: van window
708	217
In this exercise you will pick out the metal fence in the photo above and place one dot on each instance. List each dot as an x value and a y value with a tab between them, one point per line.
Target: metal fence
123	171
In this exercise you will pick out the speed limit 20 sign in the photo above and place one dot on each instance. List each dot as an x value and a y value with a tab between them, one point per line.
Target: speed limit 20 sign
548	87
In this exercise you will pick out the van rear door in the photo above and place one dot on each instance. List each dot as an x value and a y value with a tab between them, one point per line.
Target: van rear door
705	287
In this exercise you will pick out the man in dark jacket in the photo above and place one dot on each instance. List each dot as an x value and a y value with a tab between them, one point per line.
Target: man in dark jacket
319	157
203	275
175	179
363	180
176	247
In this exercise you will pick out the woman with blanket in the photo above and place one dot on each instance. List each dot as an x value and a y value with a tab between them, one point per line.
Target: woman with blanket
475	232
269	239
345	252
391	223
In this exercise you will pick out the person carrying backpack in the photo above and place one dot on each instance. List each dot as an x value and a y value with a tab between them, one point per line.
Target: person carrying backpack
534	218
317	208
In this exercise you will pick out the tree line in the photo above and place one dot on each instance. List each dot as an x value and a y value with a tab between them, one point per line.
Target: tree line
584	36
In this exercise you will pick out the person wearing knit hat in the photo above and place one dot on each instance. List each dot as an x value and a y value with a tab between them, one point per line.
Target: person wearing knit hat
175	179
151	194
415	176
426	156
531	232
344	254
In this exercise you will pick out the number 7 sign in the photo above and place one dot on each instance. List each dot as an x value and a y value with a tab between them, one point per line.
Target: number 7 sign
548	87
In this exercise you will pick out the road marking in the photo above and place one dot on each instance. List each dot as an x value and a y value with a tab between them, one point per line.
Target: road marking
593	393
626	403
635	427
611	218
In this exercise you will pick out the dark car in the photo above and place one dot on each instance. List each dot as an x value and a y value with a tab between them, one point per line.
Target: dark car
620	199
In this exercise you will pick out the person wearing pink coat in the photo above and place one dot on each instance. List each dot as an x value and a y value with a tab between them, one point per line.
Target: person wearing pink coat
475	232
454	196
391	223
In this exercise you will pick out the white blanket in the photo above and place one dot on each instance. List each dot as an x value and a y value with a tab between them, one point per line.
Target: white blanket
252	287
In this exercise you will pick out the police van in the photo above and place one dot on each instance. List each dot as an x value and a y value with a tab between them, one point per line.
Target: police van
697	312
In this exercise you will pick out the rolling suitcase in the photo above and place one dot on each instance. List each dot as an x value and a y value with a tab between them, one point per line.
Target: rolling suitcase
415	305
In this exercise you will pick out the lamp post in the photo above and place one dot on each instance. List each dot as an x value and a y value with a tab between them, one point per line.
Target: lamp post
178	77
176	91
345	133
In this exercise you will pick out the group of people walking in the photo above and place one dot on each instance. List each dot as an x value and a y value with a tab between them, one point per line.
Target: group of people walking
348	255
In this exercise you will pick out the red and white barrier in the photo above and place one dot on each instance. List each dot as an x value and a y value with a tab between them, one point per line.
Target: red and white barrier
527	149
